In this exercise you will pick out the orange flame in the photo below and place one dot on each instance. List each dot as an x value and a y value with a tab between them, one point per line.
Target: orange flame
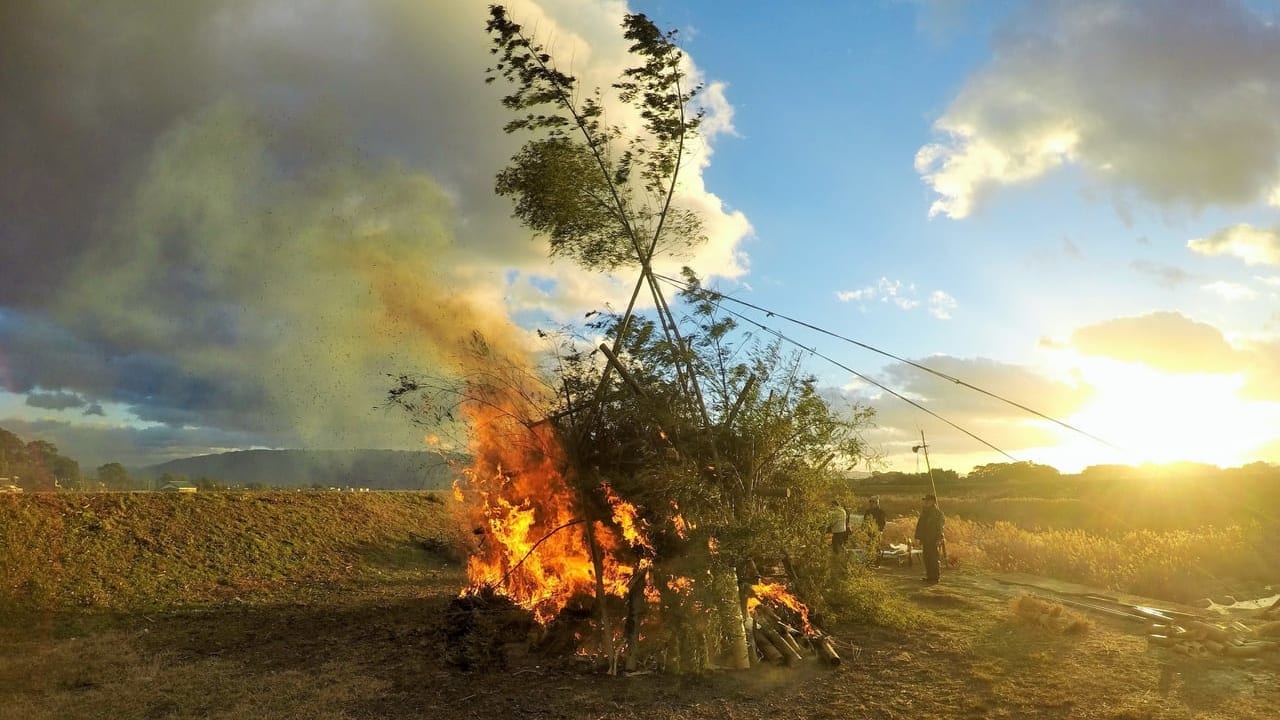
534	545
680	584
627	518
777	593
682	526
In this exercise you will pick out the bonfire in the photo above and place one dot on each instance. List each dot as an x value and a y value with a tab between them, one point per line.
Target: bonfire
624	499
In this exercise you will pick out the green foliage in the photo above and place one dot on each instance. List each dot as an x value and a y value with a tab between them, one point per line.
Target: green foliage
114	476
1022	471
37	465
574	181
755	474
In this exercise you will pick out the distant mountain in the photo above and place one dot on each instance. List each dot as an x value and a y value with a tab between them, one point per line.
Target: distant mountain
374	469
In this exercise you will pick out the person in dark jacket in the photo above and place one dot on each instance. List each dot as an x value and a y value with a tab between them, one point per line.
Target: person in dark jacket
875	520
929	535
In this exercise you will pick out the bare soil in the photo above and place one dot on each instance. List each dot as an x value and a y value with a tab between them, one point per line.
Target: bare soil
377	651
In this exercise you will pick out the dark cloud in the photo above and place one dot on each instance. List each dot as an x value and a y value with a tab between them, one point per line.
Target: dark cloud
156	387
1176	101
202	204
1169	276
95	409
92	445
190	190
55	400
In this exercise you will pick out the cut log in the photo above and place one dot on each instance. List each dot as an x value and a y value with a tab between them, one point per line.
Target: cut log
1212	632
791	642
1251	650
771	653
790	655
827	650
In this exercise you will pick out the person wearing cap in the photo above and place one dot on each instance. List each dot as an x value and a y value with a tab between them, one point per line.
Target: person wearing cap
929	534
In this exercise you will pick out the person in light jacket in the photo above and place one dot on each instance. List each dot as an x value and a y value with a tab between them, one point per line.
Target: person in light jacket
838	526
929	535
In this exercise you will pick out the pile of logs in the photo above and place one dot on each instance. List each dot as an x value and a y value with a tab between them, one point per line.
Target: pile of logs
1203	639
779	642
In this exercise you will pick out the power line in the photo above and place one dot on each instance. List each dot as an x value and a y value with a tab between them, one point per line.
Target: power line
837	363
888	354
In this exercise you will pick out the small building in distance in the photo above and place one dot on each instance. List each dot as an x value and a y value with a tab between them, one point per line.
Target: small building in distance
179	486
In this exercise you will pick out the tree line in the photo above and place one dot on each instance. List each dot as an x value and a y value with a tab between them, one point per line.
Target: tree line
36	465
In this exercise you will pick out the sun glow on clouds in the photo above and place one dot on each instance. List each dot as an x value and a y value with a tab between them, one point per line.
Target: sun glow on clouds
1155	416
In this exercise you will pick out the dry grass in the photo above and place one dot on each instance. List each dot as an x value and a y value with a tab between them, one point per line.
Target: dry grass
157	550
373	647
1048	614
1178	565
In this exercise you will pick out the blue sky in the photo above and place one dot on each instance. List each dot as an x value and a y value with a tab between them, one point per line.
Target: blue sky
212	211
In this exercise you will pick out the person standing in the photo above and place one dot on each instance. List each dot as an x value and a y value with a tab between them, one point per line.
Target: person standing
839	526
874	521
929	534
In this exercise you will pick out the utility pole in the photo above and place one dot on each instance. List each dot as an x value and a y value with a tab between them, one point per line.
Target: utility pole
925	447
933	487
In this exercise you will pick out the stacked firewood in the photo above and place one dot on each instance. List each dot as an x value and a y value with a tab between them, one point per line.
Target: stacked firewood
781	642
1202	639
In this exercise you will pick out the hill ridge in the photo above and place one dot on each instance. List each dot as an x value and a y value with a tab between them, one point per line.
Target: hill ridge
287	468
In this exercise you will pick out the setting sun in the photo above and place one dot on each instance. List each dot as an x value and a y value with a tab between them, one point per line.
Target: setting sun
1154	416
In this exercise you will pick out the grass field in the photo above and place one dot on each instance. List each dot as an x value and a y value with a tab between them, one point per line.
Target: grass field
353	626
148	551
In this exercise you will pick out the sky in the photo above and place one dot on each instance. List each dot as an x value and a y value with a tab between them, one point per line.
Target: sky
225	224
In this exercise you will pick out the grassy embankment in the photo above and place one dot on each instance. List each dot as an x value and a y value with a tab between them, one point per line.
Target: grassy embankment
137	551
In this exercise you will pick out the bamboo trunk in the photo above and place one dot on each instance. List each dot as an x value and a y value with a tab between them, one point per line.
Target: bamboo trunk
635	608
732	626
602	607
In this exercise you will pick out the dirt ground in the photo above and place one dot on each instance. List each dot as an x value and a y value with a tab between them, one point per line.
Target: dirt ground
376	652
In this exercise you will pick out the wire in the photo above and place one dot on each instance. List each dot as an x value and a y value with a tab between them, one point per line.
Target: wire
837	363
888	354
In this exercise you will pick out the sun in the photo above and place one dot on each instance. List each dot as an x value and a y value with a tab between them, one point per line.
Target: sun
1159	417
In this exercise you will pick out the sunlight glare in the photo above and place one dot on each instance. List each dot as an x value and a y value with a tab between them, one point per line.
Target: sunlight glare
1163	417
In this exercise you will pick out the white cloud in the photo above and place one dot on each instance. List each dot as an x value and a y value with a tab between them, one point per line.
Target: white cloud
900	294
1179	101
1255	246
1230	291
941	304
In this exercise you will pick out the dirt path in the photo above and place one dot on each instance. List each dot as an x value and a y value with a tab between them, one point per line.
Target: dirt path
376	652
